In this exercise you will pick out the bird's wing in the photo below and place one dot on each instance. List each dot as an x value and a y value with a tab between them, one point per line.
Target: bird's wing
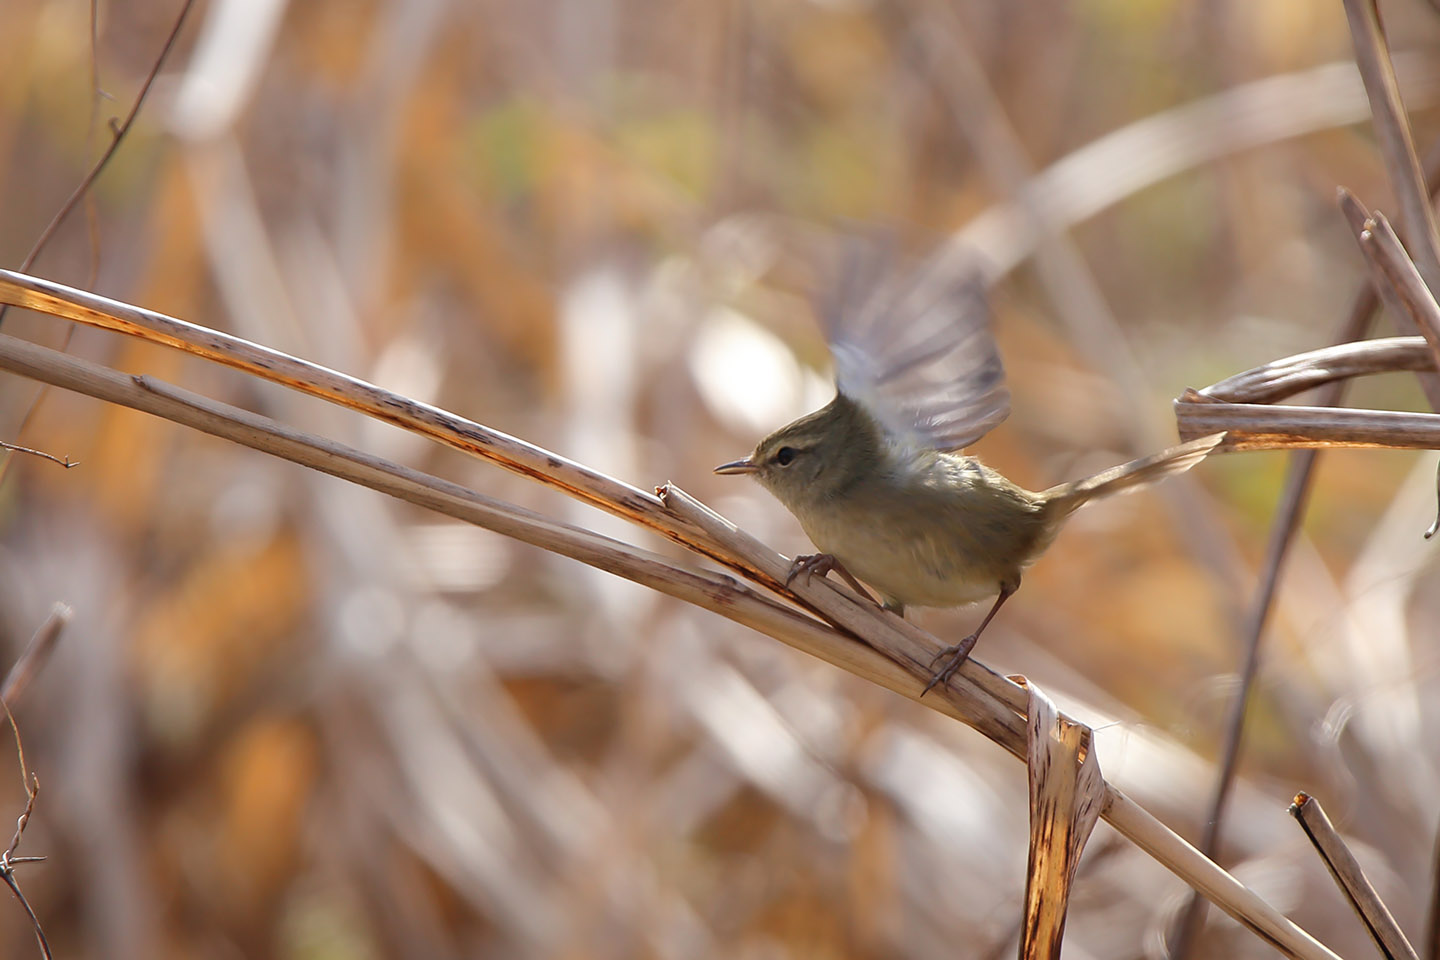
915	350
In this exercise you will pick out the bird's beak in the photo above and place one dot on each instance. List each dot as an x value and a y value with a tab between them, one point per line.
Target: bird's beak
737	466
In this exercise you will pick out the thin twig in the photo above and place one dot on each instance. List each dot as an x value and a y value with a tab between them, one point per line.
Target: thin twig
119	132
1351	879
1237	404
67	463
979	688
32	789
1119	811
92	210
8	860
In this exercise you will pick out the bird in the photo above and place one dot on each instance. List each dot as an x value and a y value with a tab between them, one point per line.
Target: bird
878	478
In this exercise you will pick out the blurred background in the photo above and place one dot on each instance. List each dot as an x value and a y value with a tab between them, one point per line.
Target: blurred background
294	719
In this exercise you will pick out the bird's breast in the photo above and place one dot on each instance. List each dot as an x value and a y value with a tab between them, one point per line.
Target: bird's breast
941	544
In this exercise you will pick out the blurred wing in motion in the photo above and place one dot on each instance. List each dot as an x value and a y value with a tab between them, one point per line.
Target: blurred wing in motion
915	350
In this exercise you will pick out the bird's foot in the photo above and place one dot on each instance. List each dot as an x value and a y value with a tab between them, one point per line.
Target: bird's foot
953	656
810	564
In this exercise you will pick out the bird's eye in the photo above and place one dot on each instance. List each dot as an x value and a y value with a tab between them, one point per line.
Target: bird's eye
784	456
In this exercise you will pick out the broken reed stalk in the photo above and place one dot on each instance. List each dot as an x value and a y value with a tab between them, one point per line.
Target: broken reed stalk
1351	879
976	696
1067	791
1397	144
1393	274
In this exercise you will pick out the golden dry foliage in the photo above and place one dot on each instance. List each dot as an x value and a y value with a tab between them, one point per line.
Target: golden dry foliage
292	719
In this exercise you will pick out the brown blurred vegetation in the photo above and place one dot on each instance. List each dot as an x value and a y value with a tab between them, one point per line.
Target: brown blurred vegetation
295	720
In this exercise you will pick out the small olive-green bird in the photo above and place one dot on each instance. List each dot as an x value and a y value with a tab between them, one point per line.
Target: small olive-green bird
876	478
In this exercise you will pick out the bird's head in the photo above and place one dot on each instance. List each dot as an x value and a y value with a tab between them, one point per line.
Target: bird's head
816	458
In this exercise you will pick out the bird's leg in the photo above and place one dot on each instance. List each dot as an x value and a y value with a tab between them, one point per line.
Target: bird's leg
822	563
956	655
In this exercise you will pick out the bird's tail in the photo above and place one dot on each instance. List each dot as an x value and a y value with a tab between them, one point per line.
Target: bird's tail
1066	497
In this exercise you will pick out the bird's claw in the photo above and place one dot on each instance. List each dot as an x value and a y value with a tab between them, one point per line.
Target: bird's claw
810	564
953	656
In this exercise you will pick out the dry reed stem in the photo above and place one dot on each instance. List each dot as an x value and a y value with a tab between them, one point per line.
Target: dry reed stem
1393	274
1250	426
524	458
1361	222
976	692
1284	378
1381	244
1066	794
1351	879
1397	144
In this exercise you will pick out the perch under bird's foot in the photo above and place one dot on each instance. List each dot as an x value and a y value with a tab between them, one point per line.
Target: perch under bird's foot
953	657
